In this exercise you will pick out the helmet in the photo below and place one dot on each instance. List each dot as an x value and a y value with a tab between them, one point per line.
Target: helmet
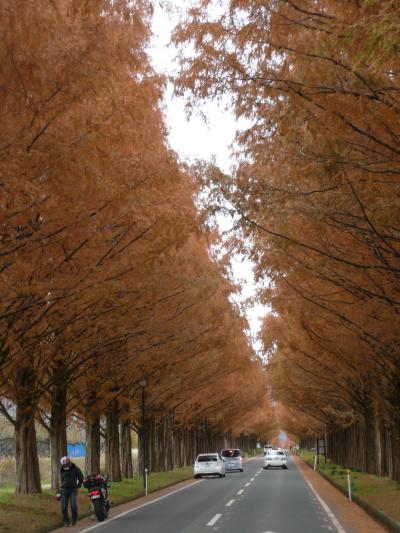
65	462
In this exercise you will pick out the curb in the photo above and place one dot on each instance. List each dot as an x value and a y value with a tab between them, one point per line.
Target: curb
379	516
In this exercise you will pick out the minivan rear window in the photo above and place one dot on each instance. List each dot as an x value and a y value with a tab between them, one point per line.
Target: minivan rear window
206	458
230	453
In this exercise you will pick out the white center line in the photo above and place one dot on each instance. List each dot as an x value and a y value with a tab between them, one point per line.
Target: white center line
240	492
252	479
247	484
229	503
214	520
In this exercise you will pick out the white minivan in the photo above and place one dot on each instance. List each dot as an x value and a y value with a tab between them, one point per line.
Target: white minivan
208	464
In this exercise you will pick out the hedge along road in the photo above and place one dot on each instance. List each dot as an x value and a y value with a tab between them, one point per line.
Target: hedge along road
255	501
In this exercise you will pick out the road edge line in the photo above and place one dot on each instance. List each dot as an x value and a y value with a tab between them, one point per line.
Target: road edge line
379	517
323	504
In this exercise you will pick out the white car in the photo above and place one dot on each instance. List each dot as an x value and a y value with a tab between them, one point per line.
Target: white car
267	447
275	458
208	464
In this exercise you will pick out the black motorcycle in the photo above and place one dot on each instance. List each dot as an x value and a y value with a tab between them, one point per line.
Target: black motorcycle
98	493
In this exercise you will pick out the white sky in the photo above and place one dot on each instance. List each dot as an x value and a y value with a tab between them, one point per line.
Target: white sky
194	139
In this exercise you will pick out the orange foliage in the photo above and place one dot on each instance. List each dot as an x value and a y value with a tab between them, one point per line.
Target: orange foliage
106	273
318	196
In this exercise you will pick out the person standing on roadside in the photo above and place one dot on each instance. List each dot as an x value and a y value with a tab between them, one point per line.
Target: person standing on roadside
71	480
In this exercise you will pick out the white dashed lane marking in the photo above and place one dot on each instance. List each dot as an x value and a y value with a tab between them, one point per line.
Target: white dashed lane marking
229	503
247	484
240	492
214	520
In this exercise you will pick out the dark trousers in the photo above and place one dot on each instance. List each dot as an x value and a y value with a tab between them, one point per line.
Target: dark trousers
69	495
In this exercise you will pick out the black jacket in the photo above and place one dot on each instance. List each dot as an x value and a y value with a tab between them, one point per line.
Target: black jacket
71	478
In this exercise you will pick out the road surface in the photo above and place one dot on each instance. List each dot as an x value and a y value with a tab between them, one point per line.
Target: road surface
255	501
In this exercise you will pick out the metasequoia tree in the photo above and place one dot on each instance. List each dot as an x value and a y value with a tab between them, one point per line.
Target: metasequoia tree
84	169
184	345
106	274
317	196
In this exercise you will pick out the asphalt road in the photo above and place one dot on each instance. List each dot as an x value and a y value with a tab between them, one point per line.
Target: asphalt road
255	501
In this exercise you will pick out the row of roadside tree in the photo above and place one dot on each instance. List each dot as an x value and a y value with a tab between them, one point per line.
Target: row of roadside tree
107	279
316	197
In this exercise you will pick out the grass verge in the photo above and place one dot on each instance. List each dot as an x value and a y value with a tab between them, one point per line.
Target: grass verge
40	513
250	452
380	493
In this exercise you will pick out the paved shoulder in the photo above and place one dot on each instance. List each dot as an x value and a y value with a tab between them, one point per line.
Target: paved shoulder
352	517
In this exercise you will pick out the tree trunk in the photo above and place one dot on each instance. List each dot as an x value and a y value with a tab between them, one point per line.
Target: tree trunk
58	430
26	456
378	446
369	444
92	459
126	449
143	445
163	439
140	452
106	448
154	447
395	449
170	442
112	443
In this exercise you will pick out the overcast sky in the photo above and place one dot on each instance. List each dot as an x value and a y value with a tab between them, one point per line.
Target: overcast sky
194	139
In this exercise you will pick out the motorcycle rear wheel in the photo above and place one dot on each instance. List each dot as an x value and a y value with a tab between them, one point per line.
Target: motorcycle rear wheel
99	510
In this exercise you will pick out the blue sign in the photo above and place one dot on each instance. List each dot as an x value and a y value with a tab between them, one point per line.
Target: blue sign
76	450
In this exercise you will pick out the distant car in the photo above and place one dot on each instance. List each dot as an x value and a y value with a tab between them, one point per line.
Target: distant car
268	447
233	459
275	458
208	464
284	450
